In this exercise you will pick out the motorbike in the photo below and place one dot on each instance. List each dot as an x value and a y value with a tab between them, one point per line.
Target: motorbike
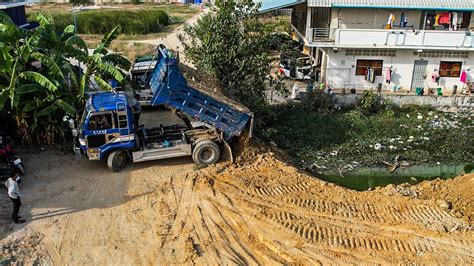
10	156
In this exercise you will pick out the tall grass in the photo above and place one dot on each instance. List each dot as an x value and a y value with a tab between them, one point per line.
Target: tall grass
103	21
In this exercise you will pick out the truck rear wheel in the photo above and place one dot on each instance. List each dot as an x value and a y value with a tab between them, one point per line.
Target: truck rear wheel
117	160
206	152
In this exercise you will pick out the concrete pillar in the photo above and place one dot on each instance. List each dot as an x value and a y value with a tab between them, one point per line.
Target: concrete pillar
324	65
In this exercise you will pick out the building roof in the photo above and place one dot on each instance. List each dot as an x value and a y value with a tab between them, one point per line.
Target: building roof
454	5
269	5
5	5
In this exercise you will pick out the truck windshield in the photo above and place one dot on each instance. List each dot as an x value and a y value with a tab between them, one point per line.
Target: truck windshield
100	121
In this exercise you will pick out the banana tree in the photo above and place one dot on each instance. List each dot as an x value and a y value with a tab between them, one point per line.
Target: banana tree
101	64
38	81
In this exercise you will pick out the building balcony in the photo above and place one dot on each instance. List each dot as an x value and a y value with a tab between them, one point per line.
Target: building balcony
395	38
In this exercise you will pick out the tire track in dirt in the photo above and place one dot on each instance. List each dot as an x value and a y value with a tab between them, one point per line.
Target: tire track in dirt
300	208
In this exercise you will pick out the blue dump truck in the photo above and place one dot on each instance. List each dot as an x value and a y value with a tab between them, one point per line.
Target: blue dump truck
107	130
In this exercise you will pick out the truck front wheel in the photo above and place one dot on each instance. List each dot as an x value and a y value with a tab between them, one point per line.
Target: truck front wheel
117	160
206	152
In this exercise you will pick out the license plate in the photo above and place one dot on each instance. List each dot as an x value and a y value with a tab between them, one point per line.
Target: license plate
17	161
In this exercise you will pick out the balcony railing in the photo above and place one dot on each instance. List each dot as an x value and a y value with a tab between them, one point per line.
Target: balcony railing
393	38
404	38
323	34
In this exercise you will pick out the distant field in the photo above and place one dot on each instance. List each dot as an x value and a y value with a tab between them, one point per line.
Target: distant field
134	19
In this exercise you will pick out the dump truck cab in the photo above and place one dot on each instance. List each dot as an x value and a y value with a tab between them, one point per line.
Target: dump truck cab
106	125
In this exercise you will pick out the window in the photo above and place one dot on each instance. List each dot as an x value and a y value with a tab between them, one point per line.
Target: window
120	120
371	52
443	53
362	65
100	122
450	69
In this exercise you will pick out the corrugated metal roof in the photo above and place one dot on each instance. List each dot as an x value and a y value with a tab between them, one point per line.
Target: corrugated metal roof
467	5
269	5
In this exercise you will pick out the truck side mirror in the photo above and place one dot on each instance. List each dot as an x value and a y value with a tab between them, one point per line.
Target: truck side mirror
71	123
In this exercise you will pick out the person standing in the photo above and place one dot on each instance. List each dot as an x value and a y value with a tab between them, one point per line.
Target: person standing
14	194
137	109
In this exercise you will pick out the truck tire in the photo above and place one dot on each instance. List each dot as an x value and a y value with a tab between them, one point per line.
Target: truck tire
206	152
117	160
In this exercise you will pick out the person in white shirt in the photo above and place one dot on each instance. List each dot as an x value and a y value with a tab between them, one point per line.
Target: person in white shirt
14	194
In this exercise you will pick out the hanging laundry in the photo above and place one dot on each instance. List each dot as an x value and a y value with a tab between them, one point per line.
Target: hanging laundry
390	21
435	77
454	21
403	20
372	76
437	20
463	78
388	75
445	18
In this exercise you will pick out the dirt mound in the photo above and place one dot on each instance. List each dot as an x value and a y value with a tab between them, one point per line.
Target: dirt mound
456	195
211	86
257	211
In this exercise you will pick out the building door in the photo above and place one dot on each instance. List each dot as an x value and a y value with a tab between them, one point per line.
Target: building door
419	74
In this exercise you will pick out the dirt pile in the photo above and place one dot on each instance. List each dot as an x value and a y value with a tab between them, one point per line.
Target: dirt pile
211	86
257	211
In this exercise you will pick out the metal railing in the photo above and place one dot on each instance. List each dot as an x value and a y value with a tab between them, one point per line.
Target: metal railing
323	34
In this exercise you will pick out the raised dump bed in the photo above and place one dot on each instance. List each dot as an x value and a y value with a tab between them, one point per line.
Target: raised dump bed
169	87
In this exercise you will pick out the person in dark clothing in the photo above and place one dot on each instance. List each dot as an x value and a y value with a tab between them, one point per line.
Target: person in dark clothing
137	109
14	194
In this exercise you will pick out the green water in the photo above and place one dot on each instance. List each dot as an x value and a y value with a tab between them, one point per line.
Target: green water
371	177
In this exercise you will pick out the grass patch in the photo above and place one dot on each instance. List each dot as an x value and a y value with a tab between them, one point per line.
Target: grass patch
332	139
103	21
133	50
136	20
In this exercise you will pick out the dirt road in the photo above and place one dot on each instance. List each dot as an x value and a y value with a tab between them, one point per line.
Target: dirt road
256	212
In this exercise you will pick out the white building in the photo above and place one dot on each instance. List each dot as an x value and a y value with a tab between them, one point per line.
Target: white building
349	38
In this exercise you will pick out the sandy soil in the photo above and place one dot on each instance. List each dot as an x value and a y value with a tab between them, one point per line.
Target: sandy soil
256	211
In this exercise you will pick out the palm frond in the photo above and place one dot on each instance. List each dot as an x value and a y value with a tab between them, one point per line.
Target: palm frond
107	39
66	107
27	88
78	42
47	110
117	60
38	78
50	63
102	84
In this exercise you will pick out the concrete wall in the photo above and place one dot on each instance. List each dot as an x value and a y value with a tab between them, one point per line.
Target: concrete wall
403	38
341	70
440	102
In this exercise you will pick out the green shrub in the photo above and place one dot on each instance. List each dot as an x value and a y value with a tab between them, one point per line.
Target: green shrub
370	103
103	21
317	101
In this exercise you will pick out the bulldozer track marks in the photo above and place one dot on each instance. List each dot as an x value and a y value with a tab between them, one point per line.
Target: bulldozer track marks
281	190
371	213
325	232
350	225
